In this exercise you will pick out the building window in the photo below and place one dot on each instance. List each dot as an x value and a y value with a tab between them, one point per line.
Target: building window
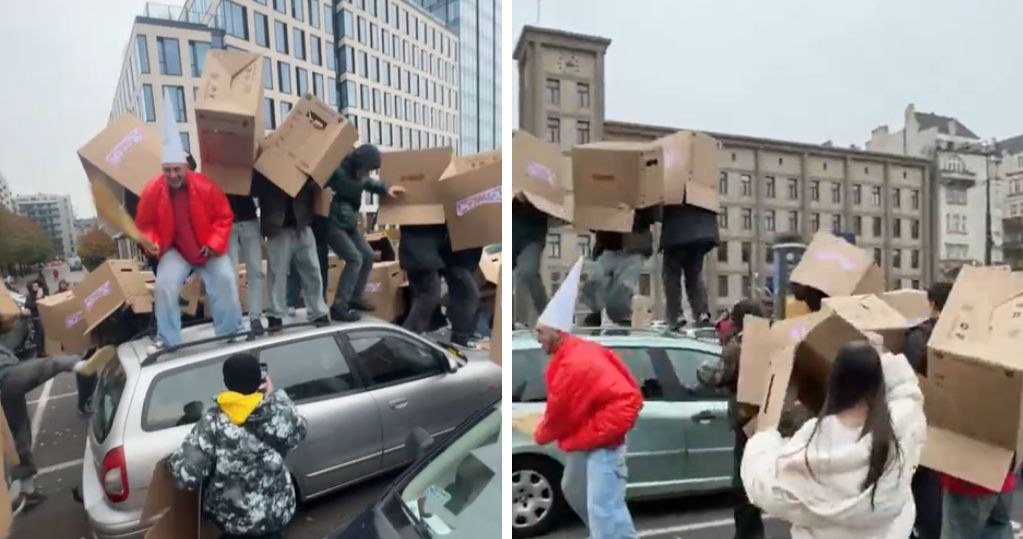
553	130
896	198
815	190
747	219
878	227
723	182
914	229
147	107
914	197
186	142
815	222
836	223
360	25
361	61
768	254
582	132
746	250
769	223
769	186
169	56
197	50
793	221
747	286
176	98
377	107
331	60
585	245
857	225
281	5
582	92
553	92
875	195
318	87
346	24
268	73
857	194
314	13
315	46
877	256
723	286
897	258
281	37
328	18
349	94
955	196
235	19
261	26
269	121
914	259
747	185
723	219
142	47
297	9
554	245
284	77
298	42
836	192
301	81
723	252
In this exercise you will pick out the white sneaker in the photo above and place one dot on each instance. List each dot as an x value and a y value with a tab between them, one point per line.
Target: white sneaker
291	311
157	346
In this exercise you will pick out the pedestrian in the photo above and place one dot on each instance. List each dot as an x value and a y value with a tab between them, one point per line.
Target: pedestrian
688	233
619	262
592	402
529	237
34	294
236	453
926	482
350	180
63	286
846	473
285	221
185	221
246	246
463	292
421	256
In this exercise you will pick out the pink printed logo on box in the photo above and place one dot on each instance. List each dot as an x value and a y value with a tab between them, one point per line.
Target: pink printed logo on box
117	154
100	293
490	196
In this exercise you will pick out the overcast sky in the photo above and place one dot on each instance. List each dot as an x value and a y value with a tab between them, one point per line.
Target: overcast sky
807	71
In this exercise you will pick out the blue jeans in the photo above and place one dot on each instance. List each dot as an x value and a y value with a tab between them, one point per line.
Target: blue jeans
612	283
594	487
985	516
221	290
291	244
246	244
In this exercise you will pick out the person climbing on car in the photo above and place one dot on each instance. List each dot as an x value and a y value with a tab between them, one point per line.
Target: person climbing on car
236	453
592	403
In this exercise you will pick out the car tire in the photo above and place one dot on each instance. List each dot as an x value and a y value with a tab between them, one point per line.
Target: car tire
541	485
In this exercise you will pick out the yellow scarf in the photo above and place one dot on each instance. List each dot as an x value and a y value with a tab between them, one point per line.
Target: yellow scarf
238	407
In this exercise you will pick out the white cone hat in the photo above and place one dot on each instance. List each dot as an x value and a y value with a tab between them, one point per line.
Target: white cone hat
560	311
172	152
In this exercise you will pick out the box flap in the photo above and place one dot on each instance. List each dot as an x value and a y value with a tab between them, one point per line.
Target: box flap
776	383
912	304
538	174
962	457
612	219
866	313
690	169
835	267
418	171
754	359
231	82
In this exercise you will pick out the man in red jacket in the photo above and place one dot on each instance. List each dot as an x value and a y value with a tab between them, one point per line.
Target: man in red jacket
185	221
592	402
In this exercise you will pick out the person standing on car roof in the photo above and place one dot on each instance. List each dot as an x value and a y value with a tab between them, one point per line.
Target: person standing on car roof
246	246
592	402
529	236
350	180
619	262
236	453
688	233
463	292
285	220
185	221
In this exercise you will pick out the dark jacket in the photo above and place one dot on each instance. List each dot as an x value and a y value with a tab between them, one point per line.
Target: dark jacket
422	247
277	210
915	348
243	207
344	208
529	225
689	226
639	241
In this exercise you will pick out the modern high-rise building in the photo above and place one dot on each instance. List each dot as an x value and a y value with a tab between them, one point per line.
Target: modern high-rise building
478	26
6	195
55	215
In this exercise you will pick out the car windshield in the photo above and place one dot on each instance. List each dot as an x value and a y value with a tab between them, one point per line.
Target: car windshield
457	494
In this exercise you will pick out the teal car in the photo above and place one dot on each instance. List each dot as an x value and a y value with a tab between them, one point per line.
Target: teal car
682	442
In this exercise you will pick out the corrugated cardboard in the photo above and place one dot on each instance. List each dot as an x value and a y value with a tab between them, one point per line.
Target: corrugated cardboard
229	117
63	319
642	311
383	290
126	154
490	267
113	284
912	304
691	169
538	174
611	180
973	392
323	197
496	335
310	143
418	171
777	378
471	194
177	512
9	459
869	313
754	360
8	308
837	268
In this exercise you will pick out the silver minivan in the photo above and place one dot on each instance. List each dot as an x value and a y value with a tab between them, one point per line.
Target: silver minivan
363	388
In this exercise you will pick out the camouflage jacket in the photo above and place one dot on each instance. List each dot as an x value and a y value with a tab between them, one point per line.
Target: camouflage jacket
248	490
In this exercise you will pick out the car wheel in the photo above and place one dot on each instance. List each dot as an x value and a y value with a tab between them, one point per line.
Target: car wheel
538	504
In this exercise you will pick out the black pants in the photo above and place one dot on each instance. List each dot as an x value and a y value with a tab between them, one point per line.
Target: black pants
425	288
86	387
679	262
748	522
926	487
320	231
463	302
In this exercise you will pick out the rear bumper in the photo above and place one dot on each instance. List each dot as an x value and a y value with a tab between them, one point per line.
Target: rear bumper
106	520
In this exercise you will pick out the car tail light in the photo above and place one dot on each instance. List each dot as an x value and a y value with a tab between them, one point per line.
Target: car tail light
113	475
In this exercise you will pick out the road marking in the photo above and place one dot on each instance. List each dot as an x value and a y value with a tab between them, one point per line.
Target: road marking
688	527
59	467
54	397
37	417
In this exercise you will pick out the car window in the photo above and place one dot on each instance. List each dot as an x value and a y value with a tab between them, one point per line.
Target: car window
388	359
181	397
109	389
669	374
528	382
309	369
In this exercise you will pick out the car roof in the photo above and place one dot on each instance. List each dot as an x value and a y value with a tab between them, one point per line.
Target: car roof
624	337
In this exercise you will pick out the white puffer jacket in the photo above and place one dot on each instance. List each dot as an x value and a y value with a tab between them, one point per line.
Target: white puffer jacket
830	503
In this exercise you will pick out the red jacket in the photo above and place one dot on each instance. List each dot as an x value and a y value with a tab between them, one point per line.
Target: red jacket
592	400
211	213
965	488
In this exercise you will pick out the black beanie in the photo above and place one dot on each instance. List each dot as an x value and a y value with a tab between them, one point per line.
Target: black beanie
366	157
242	374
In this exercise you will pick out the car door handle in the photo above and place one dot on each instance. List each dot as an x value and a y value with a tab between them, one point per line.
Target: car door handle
703	417
398	404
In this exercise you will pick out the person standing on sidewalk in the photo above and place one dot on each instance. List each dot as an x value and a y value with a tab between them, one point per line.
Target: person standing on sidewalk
349	182
246	246
592	403
688	233
285	220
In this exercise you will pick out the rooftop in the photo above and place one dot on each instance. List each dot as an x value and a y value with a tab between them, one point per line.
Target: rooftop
601	42
1011	146
927	120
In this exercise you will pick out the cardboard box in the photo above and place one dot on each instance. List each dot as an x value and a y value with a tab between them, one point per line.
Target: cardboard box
64	324
125	155
837	268
872	314
8	308
613	179
323	198
9	459
114	284
691	169
471	194
173	512
490	267
973	391
310	143
538	174
642	311
229	117
912	304
383	290
418	171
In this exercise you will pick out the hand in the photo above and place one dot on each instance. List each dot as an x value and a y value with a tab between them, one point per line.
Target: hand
149	246
26	312
395	191
206	252
268	386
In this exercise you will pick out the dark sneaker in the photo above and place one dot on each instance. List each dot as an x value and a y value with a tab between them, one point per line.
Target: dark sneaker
256	326
592	320
362	305
322	321
85	409
273	325
30	500
342	313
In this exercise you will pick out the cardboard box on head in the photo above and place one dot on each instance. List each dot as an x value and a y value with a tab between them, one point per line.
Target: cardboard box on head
973	391
310	143
869	313
63	319
115	283
418	171
691	169
613	179
229	117
837	268
471	193
125	155
538	174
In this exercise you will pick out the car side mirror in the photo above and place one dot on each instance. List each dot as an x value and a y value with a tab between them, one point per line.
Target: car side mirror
418	443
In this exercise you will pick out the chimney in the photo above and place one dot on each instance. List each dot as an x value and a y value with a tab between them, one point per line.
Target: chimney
952	127
910	112
880	130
